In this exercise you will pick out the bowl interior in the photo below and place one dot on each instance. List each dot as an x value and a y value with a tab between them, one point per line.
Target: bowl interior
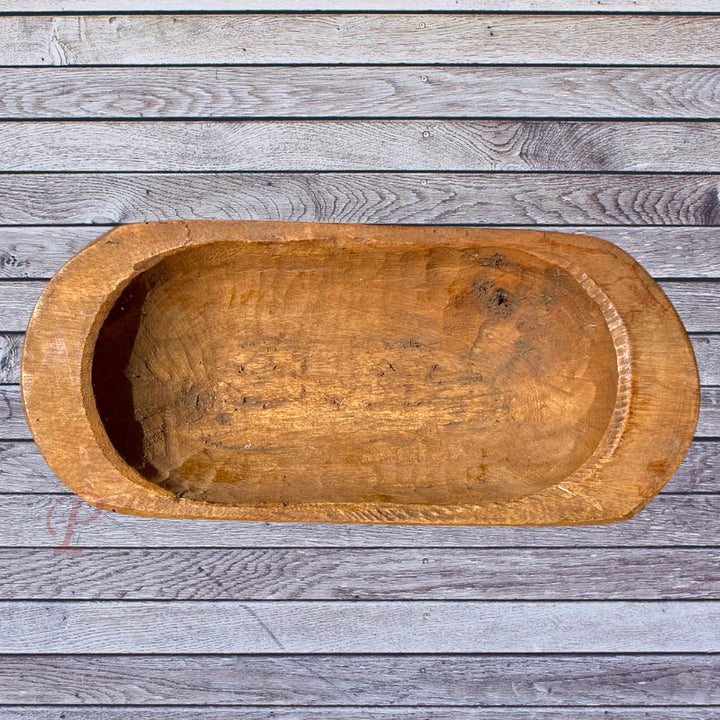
304	372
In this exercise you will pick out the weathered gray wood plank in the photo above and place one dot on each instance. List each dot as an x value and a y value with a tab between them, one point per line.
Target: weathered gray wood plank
427	91
359	145
358	627
356	713
367	574
333	91
697	303
14	426
675	252
17	300
707	354
355	38
699	471
415	198
635	6
12	418
39	252
706	347
10	348
361	680
23	470
709	421
669	521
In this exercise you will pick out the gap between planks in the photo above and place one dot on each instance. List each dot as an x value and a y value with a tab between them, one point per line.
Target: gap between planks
338	712
281	6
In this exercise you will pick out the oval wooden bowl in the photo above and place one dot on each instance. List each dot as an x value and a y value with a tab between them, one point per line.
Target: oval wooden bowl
359	373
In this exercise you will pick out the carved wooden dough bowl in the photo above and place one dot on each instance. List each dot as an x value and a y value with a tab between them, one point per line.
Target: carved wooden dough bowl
359	373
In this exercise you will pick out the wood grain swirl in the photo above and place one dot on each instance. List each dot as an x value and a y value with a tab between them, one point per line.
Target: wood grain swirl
408	198
360	145
363	39
335	91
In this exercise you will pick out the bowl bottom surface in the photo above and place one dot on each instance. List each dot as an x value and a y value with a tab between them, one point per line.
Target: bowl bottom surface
312	372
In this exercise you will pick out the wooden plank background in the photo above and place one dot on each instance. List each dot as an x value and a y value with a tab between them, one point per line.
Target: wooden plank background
600	117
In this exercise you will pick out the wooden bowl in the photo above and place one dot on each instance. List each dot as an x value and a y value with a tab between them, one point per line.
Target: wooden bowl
359	373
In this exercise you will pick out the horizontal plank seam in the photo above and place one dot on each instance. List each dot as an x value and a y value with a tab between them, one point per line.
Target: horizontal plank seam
374	171
528	13
683	66
363	548
365	66
317	601
213	706
252	706
526	655
251	117
447	225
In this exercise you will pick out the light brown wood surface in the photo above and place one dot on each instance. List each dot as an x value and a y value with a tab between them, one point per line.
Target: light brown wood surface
350	373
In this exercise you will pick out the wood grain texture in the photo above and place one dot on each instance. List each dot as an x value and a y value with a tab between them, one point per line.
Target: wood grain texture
356	713
393	627
671	252
668	549
362	680
697	303
23	470
14	426
360	91
11	413
711	411
359	145
414	198
360	574
39	252
17	300
669	521
634	6
315	430
364	39
707	354
706	348
10	347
